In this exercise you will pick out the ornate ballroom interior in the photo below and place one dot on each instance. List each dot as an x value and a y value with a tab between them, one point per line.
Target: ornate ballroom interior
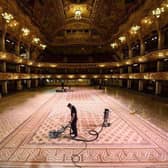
99	55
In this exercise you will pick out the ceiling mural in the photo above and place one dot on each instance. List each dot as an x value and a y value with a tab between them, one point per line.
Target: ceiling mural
78	23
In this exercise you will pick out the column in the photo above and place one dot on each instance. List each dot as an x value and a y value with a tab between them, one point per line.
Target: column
4	28
17	48
3	69
161	39
141	68
3	41
161	36
129	81
121	80
129	84
4	87
141	82
130	53
19	85
29	83
28	52
159	66
129	69
18	68
142	47
27	69
36	83
140	85
158	88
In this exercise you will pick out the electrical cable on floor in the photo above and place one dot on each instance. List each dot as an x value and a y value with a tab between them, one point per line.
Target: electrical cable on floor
76	157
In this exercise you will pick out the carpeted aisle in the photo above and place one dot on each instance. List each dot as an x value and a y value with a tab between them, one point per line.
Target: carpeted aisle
129	142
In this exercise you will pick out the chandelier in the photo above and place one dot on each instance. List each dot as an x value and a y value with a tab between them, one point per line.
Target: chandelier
157	12
7	16
78	14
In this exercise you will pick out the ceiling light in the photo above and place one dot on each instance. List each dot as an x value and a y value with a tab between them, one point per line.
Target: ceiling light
78	14
114	45
7	16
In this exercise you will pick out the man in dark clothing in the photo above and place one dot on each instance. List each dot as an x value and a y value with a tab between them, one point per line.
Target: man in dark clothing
73	121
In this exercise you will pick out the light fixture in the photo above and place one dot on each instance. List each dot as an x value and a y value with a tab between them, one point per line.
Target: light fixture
146	20
13	23
134	29
102	65
78	14
7	16
36	40
114	45
25	31
122	39
157	12
43	46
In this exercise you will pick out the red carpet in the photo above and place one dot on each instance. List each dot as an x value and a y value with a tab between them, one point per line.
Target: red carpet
129	142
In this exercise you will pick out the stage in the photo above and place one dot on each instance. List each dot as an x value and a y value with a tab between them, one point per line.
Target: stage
130	141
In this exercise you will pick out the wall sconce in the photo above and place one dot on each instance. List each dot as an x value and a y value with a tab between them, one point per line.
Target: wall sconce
36	40
122	39
43	46
114	45
134	29
13	23
146	20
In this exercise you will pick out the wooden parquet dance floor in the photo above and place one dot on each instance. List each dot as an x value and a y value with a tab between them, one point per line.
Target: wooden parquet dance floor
130	141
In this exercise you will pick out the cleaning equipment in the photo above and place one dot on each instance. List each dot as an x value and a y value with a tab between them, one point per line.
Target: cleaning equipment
106	122
76	157
58	133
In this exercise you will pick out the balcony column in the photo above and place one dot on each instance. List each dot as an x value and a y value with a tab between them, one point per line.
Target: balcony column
4	87
161	37
130	53
121	80
129	69
159	66
3	67
17	48
142	45
27	69
2	40
158	88
19	85
129	84
141	82
28	83
28	56
36	83
141	68
140	85
18	68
